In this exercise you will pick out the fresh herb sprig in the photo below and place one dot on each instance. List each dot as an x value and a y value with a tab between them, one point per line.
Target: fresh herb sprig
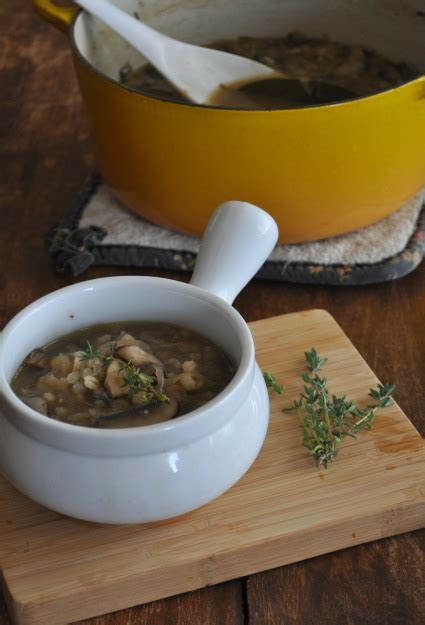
91	352
138	381
110	355
327	419
270	381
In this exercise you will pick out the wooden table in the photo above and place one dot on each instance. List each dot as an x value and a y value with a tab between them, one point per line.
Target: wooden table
44	157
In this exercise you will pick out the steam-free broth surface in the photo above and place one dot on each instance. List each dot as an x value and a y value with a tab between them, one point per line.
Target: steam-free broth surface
278	92
322	71
125	374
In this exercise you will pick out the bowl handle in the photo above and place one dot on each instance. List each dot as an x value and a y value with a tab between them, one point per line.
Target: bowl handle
238	239
60	17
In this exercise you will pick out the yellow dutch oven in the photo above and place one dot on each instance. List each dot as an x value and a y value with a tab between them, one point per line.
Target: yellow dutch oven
319	171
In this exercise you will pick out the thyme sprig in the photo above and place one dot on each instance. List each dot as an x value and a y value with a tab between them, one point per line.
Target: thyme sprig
110	355
140	382
91	352
271	382
327	419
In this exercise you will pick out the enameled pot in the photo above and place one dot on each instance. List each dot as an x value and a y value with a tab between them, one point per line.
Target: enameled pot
318	171
159	471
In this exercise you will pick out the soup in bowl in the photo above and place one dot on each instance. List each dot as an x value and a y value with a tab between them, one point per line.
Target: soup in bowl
126	374
148	472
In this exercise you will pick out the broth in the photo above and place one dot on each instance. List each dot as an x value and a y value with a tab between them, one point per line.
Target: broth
277	93
123	374
348	68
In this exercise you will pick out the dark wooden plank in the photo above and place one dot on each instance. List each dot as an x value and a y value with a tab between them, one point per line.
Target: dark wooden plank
218	605
380	583
44	157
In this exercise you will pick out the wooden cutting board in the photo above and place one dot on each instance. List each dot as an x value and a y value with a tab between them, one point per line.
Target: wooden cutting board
56	569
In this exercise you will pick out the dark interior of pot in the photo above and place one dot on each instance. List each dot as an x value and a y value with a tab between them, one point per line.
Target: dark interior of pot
394	28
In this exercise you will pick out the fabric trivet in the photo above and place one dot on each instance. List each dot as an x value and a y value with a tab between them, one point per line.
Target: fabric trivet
99	230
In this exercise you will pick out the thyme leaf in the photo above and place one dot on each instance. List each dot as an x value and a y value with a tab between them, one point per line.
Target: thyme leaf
140	382
93	352
90	352
270	381
326	419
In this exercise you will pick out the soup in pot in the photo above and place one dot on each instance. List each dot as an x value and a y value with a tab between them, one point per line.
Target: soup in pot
125	374
346	71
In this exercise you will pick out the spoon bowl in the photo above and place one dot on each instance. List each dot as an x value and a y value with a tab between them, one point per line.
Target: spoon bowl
200	73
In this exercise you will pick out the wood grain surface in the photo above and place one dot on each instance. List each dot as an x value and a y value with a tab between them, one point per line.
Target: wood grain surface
44	157
57	569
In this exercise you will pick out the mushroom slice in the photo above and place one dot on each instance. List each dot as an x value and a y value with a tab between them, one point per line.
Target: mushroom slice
37	403
126	339
137	355
114	379
160	377
141	415
36	358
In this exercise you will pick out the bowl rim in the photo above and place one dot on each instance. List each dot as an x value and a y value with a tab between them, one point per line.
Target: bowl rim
205	415
75	49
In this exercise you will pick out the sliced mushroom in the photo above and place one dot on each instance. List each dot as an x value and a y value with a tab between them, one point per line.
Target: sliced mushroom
126	339
114	380
106	348
37	403
155	412
36	358
31	391
84	418
160	377
137	355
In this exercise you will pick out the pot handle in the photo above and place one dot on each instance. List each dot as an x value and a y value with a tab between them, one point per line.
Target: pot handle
60	17
237	241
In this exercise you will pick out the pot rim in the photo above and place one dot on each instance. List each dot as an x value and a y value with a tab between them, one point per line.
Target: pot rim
117	84
154	437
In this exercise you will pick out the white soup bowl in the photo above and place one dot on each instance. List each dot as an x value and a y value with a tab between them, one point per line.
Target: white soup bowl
159	471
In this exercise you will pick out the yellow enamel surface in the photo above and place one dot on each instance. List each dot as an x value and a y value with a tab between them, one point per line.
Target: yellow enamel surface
61	17
320	172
